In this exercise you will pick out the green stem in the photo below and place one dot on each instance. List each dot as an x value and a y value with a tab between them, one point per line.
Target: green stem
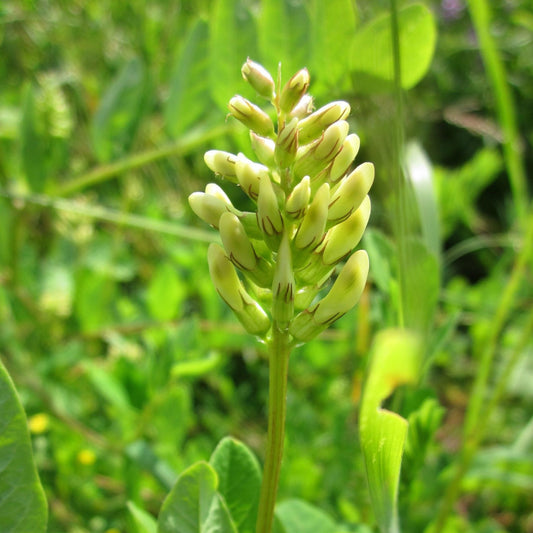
476	420
279	351
105	172
480	13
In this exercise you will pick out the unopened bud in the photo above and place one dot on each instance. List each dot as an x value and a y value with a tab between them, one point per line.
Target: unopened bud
259	78
350	192
231	290
344	237
222	163
283	285
299	199
311	230
287	144
264	149
303	107
312	126
346	290
343	295
249	175
268	212
314	157
294	89
251	116
236	242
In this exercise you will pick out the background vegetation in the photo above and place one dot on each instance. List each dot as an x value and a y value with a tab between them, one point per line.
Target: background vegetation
127	363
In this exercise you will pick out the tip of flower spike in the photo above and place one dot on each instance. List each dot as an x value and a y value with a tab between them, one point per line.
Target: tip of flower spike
259	78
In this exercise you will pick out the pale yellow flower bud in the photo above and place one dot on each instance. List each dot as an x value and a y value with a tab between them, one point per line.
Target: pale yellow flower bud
222	163
314	157
236	242
344	237
268	212
259	78
283	285
287	144
312	126
231	290
249	175
294	89
251	116
343	295
264	149
303	107
311	230
350	192
298	199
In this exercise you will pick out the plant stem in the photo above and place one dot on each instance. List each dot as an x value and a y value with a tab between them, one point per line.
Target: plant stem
279	351
514	161
480	406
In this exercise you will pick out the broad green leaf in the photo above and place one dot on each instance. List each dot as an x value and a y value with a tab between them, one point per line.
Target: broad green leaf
143	522
298	516
371	53
120	111
239	481
333	28
395	360
188	98
194	505
166	292
284	36
22	501
231	41
33	150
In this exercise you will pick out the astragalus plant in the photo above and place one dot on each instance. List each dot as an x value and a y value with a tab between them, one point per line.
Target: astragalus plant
289	269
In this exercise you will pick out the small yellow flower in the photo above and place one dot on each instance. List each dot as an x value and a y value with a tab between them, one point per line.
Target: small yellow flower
39	423
86	457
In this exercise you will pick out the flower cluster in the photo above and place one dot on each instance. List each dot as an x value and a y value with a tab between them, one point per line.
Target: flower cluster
311	212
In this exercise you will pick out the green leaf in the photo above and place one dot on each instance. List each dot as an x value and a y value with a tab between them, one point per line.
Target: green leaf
196	367
333	28
284	36
32	144
194	505
165	293
298	516
231	41
420	175
119	114
395	360
22	501
372	59
188	97
143	521
239	481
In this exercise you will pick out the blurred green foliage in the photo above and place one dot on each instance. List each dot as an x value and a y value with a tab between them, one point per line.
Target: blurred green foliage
127	363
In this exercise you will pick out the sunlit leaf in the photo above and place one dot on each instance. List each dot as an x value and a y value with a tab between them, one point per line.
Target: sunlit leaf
194	505
144	522
188	97
371	53
298	516
231	41
395	360
239	482
284	36
333	29
22	501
